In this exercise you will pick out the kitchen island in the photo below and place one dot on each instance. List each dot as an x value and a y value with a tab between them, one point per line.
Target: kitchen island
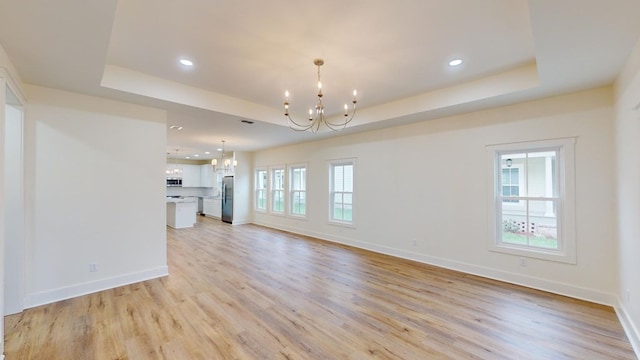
181	212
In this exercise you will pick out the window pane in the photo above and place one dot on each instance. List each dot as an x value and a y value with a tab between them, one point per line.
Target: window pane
261	202
537	228
338	206
277	190
543	224
512	165
298	181
348	178
514	228
261	190
509	160
337	199
515	176
278	179
348	198
338	178
278	200
298	203
347	212
262	179
341	198
510	183
540	173
295	179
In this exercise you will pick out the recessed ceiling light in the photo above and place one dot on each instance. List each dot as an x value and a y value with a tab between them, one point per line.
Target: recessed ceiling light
175	127
455	62
207	152
186	62
188	157
196	155
219	149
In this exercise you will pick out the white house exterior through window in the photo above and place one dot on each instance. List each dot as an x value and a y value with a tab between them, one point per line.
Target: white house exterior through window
277	190
298	190
341	209
261	190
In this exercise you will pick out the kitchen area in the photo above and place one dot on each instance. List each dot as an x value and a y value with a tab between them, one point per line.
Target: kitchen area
196	189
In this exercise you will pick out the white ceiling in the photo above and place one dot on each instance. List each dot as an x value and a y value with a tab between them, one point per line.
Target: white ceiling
247	53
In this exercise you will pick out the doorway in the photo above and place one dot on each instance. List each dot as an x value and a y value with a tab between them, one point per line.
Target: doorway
14	211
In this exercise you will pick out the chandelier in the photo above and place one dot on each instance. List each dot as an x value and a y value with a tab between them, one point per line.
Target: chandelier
317	116
224	165
176	171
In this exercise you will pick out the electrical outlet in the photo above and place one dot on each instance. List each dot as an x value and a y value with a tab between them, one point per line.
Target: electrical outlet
93	267
523	262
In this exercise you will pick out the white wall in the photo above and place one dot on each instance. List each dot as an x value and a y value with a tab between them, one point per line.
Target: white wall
428	182
2	211
95	173
627	136
242	189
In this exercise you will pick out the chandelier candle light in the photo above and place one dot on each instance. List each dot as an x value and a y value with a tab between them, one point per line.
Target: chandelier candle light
175	171
226	165
317	118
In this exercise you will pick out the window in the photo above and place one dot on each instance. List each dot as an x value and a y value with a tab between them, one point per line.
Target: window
261	190
533	211
298	190
341	191
277	190
510	182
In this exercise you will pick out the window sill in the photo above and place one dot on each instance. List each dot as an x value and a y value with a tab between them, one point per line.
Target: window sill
535	253
349	225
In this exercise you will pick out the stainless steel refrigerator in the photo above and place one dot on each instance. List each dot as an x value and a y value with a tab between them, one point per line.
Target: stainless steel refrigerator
227	199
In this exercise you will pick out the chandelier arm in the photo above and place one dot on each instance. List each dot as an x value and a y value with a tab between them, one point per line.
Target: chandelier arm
300	127
342	125
315	122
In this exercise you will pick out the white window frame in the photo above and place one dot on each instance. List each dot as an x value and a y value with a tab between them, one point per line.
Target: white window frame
290	169
332	164
566	209
257	190
272	190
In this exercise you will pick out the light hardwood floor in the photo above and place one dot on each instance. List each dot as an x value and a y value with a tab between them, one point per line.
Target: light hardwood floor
247	292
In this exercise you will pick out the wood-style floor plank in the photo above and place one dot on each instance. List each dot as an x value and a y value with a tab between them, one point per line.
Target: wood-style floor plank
248	292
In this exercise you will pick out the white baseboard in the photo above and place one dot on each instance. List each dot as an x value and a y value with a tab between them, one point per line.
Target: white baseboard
630	328
491	273
500	275
241	221
51	296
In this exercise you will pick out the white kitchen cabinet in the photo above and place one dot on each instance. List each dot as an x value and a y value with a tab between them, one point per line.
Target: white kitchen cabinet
212	207
207	176
191	176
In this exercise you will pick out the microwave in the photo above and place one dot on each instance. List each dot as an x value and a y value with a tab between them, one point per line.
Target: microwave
174	181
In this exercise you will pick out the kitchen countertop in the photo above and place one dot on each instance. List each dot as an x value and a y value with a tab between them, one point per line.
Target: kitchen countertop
189	199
